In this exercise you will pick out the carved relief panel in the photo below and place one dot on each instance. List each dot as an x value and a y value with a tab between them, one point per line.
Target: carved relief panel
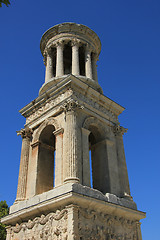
92	225
51	226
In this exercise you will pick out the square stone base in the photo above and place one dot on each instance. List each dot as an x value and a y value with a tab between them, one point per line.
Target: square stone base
79	213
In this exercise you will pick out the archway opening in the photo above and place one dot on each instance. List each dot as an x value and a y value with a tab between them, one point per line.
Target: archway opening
46	160
99	174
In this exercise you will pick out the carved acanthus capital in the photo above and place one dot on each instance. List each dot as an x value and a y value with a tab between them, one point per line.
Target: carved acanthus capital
119	130
25	133
71	106
75	42
60	43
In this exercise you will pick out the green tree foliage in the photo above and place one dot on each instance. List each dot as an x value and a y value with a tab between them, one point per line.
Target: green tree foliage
4	210
6	2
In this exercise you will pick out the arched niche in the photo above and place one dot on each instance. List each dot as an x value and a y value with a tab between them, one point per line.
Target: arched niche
43	148
46	160
97	137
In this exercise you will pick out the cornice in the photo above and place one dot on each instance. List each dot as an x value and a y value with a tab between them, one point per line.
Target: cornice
72	194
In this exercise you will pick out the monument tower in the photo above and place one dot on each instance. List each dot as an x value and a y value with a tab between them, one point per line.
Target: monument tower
63	193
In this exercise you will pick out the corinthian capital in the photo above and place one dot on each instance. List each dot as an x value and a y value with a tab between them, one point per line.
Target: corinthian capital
75	42
59	43
119	130
25	133
71	106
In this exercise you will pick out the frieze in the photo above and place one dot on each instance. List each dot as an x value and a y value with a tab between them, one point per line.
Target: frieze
97	106
50	104
92	225
54	102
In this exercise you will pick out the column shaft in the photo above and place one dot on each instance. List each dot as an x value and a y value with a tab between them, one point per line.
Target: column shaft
59	62
71	154
23	171
94	67
49	68
88	63
75	59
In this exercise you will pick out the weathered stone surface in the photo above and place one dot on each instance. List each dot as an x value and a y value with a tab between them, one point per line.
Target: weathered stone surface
77	222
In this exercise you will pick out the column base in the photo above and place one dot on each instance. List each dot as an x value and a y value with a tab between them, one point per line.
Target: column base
72	180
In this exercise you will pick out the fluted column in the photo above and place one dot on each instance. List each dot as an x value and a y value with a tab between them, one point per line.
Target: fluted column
23	171
94	67
59	60
88	62
85	156
49	66
72	141
75	57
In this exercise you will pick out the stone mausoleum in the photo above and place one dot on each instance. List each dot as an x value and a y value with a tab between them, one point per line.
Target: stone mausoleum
73	180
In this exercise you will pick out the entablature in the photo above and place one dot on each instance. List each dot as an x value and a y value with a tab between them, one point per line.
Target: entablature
50	102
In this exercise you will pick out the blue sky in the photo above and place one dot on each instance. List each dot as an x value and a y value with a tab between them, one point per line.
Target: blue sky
128	72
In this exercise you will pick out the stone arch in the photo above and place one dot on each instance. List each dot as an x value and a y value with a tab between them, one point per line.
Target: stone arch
93	121
44	150
98	135
48	121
